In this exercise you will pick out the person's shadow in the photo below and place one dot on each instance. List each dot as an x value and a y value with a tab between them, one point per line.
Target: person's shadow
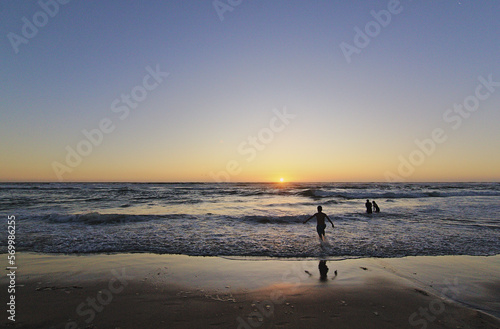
323	271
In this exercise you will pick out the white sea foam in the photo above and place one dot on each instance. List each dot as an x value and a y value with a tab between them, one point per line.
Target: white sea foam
255	219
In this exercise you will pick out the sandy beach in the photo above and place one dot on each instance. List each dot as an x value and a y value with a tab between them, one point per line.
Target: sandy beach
250	164
175	291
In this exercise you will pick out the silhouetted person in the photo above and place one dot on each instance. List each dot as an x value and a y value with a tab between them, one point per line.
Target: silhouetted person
375	206
323	270
320	219
368	205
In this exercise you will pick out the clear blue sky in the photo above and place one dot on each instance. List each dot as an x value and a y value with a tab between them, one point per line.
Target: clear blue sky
354	121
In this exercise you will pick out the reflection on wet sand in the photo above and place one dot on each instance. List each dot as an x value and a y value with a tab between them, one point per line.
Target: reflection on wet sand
323	271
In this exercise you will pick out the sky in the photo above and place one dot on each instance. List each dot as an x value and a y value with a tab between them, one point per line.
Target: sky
249	90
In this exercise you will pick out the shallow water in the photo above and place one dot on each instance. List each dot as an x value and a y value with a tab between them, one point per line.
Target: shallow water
254	219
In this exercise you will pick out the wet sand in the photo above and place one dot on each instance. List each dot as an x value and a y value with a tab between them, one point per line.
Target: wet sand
174	291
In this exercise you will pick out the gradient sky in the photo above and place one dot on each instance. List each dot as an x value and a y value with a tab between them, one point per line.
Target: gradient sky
354	121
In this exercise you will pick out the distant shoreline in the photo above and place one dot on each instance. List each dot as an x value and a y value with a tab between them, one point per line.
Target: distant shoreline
250	182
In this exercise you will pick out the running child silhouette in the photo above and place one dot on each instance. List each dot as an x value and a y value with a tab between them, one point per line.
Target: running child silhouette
320	219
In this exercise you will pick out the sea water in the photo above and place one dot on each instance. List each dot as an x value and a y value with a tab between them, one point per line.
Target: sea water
253	219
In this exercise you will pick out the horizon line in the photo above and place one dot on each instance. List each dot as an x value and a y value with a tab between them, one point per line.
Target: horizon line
235	182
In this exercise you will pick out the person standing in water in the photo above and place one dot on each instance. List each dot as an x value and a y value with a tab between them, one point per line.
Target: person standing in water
375	206
368	205
320	219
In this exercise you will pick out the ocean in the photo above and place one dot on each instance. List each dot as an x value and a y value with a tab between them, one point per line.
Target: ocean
253	219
